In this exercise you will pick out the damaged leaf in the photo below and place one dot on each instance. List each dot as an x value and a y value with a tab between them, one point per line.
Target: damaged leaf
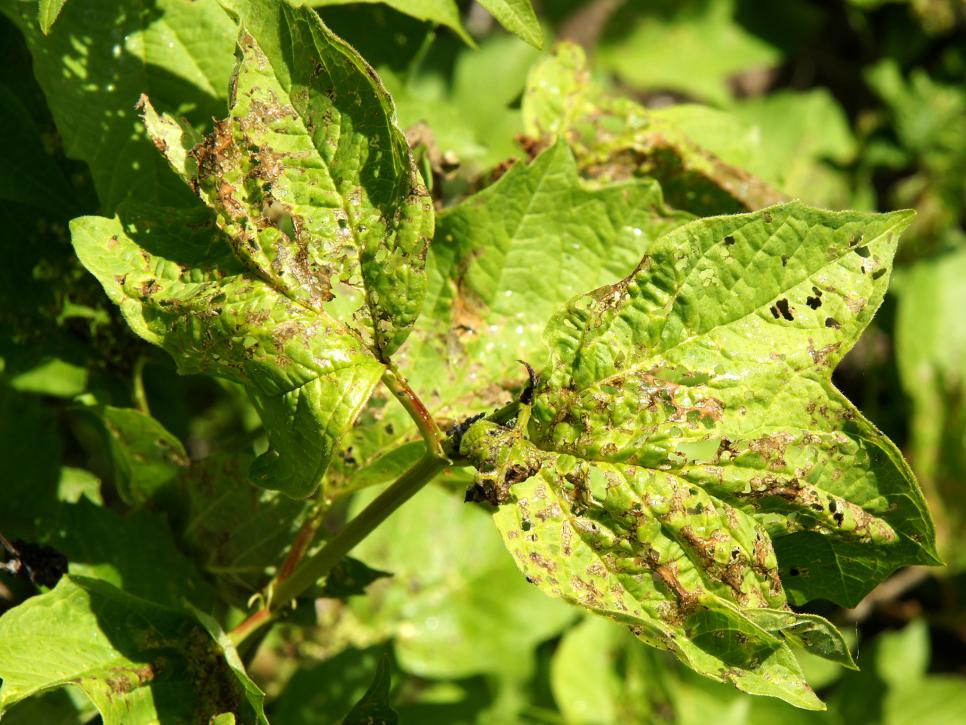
688	467
501	264
179	287
319	273
309	176
615	138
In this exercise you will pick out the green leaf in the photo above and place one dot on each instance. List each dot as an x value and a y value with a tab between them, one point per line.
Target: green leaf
349	578
309	176
508	257
28	173
137	661
26	427
439	12
134	552
687	425
134	450
478	129
690	47
502	262
374	707
47	12
179	287
518	17
614	138
179	51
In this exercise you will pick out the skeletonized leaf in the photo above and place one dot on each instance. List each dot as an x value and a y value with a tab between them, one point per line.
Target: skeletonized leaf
179	287
688	460
309	176
137	661
615	138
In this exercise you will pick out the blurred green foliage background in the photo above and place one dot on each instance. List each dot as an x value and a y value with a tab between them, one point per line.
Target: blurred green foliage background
842	103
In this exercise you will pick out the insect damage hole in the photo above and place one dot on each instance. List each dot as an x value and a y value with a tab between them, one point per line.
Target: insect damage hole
782	308
815	299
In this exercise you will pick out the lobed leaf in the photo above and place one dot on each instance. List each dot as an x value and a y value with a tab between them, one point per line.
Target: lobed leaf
502	262
688	460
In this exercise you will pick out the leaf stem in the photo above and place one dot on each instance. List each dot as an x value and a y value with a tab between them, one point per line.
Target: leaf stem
138	394
428	428
306	574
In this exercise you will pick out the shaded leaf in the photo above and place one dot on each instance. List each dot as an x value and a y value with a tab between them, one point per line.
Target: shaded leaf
237	532
687	425
349	578
374	707
439	12
179	51
137	661
141	458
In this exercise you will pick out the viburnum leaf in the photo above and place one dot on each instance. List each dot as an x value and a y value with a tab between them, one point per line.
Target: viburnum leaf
309	176
136	660
615	138
315	190
688	466
501	264
179	287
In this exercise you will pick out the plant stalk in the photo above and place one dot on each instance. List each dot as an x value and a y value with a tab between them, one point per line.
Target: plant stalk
428	428
317	566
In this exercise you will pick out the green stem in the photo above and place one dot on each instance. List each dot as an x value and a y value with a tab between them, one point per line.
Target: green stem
138	393
430	432
317	566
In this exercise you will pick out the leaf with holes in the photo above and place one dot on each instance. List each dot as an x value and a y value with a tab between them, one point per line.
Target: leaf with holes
615	138
179	287
688	467
319	273
309	176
